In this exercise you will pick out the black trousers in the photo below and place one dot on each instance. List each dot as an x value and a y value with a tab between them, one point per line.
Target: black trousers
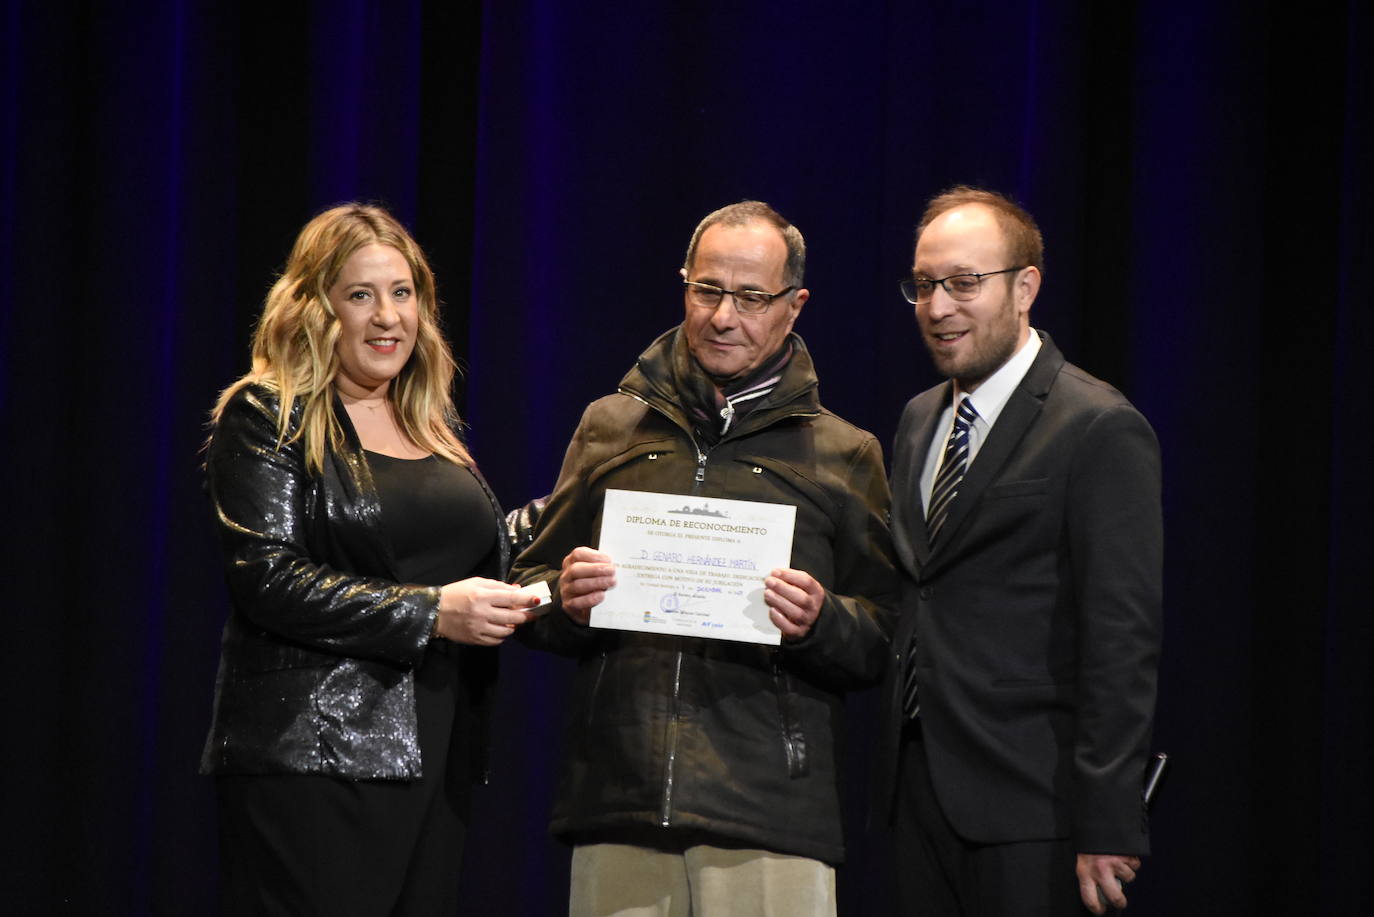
940	874
304	845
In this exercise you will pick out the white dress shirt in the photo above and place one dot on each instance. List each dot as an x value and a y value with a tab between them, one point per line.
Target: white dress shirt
988	400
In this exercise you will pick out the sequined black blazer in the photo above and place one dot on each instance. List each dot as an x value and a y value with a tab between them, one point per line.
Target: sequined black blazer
315	672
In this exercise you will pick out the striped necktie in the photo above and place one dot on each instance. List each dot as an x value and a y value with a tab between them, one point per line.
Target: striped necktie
946	485
952	469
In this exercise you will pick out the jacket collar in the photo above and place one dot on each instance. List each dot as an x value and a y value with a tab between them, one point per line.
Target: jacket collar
355	478
653	381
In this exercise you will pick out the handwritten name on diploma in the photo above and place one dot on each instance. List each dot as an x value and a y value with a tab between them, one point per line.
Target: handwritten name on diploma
700	560
692	565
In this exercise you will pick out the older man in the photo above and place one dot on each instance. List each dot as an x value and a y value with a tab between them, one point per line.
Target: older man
1027	512
700	775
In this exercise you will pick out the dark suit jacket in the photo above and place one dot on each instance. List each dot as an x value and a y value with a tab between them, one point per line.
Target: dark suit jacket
1036	617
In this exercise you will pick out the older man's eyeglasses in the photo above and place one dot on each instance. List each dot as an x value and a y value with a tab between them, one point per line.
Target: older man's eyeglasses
747	302
962	287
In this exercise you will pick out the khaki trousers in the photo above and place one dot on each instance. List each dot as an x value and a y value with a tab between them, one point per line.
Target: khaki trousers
621	880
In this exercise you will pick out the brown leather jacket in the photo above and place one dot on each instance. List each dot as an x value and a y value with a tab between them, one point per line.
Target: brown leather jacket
730	741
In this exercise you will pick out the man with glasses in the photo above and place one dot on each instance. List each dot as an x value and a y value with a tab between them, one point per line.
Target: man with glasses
1026	510
700	775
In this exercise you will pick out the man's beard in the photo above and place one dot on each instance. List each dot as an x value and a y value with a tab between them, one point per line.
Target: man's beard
987	355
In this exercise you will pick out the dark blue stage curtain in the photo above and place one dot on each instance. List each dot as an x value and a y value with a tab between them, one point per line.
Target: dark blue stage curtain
1199	168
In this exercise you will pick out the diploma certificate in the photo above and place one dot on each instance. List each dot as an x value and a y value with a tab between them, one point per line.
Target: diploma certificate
692	565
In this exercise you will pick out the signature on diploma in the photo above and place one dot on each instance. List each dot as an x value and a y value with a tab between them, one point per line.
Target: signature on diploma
676	601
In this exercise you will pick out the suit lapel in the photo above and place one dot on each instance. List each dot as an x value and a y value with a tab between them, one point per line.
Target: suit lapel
355	479
913	539
1020	412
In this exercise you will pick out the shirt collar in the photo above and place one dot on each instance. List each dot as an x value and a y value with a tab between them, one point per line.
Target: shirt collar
992	396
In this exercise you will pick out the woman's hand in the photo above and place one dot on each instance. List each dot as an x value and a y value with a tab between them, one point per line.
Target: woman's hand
482	612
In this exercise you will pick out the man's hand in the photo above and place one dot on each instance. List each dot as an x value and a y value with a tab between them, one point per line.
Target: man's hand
586	576
794	601
1100	877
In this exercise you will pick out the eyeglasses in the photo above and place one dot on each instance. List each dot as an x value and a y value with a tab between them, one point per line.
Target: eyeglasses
962	287
747	302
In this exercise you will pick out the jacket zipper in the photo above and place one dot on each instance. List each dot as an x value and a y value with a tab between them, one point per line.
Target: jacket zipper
596	688
700	475
794	748
665	815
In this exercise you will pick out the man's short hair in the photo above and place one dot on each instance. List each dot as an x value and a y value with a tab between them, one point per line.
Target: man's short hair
1024	245
744	213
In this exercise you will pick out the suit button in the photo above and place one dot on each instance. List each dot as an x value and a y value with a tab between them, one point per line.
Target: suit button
926	592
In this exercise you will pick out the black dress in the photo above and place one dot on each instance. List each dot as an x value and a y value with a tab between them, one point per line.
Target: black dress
308	844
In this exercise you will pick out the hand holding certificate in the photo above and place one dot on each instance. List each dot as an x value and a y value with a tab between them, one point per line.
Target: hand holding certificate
692	566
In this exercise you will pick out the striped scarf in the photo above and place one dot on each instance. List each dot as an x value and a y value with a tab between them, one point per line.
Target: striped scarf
716	410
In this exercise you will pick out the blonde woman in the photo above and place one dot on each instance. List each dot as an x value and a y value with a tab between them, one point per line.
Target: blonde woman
363	554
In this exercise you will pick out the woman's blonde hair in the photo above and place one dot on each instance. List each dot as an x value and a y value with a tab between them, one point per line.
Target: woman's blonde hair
294	341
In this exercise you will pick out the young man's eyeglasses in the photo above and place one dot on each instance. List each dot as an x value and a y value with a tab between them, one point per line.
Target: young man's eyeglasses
961	287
